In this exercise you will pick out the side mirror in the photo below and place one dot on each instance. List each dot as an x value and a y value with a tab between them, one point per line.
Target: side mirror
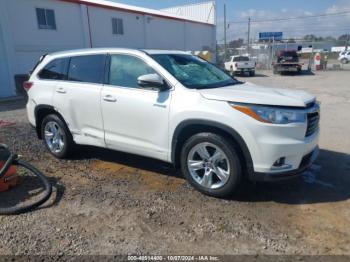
152	81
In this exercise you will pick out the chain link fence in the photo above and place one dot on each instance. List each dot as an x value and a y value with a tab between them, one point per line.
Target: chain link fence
264	54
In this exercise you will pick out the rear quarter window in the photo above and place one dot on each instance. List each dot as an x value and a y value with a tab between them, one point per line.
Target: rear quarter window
55	70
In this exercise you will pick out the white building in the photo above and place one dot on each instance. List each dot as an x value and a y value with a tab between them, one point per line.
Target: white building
31	28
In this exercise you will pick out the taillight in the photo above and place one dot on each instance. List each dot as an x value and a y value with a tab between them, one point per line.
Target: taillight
27	85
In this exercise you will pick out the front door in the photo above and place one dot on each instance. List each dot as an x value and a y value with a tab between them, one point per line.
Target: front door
135	118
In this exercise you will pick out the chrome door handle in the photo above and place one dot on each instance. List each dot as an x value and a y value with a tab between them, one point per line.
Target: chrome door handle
109	98
61	90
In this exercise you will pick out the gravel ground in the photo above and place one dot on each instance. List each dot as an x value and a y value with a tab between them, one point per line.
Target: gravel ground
108	202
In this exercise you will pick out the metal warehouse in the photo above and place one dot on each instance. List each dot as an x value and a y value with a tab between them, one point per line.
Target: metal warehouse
31	28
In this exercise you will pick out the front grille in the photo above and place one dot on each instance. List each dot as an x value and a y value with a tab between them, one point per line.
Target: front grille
313	120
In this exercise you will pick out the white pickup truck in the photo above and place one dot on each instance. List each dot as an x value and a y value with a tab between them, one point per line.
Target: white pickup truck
240	65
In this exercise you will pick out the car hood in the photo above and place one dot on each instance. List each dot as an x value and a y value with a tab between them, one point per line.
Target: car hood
254	94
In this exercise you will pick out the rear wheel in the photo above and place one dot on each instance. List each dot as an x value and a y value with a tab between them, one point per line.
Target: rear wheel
57	138
252	73
231	71
211	164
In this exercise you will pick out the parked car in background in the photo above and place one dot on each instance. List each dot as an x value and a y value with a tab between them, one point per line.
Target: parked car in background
175	107
287	61
240	65
344	57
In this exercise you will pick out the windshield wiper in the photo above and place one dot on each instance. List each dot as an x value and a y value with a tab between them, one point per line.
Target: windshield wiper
232	84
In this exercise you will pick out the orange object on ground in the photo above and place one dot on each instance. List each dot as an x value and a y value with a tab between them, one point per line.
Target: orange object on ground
10	179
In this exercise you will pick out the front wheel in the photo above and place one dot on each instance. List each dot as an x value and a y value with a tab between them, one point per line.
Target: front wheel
344	61
211	164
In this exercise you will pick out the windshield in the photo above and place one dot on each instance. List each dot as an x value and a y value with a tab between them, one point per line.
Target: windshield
194	72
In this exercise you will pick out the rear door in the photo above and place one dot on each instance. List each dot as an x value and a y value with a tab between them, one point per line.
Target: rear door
77	98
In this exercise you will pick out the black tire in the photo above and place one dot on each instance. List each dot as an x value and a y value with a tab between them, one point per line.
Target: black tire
275	72
231	71
66	136
252	73
232	154
344	61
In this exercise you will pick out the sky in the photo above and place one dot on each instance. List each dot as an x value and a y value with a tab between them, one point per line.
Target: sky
240	10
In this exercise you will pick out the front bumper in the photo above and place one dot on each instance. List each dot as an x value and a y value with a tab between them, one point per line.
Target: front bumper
306	162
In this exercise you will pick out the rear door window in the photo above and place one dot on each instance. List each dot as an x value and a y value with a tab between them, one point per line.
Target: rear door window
55	70
88	69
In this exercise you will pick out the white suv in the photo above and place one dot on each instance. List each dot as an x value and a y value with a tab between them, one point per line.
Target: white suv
175	107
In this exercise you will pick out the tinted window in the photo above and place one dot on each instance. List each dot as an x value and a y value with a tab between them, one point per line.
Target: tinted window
87	68
55	70
125	70
241	59
289	54
46	18
117	26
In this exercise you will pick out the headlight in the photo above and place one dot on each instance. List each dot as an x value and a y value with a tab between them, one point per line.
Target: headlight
272	115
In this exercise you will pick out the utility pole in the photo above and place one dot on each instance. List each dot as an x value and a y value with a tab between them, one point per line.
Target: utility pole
225	33
248	46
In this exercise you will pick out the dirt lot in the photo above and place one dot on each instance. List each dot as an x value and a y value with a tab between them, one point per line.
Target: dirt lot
107	202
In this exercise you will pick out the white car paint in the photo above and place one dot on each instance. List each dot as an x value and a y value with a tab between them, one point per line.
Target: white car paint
344	56
143	122
237	66
254	94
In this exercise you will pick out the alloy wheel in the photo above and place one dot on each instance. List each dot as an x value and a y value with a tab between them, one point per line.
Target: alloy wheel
54	137
208	165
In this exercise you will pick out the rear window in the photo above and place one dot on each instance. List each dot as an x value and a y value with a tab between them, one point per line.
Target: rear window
289	54
241	59
55	70
88	68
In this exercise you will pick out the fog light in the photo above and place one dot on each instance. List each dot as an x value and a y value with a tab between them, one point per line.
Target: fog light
280	164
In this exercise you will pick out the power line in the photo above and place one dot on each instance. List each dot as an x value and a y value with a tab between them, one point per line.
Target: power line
293	18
